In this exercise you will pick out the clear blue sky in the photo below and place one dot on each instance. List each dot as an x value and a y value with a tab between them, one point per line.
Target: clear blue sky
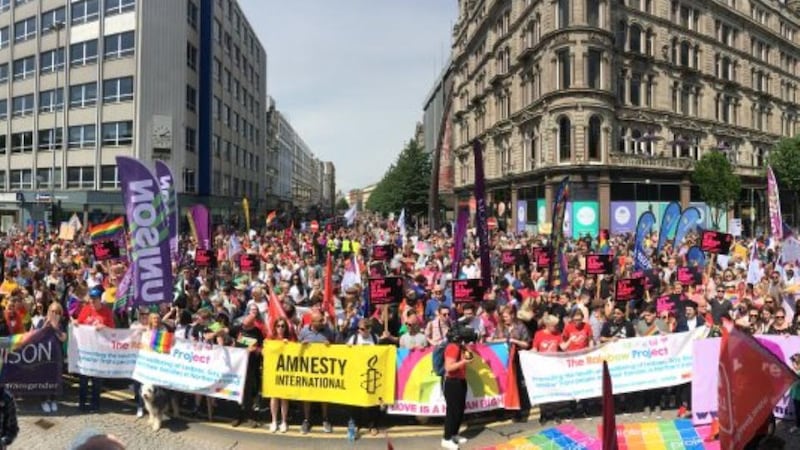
352	75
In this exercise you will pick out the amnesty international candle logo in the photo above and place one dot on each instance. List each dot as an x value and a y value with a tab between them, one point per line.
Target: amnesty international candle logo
361	375
371	378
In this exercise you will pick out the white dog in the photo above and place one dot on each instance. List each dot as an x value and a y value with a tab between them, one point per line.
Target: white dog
156	401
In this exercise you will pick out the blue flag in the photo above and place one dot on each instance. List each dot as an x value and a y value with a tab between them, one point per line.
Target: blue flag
668	223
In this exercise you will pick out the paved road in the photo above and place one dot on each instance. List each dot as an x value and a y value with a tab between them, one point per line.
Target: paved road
117	416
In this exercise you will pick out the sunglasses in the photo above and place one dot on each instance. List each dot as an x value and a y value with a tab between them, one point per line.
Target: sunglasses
754	316
780	317
362	329
280	325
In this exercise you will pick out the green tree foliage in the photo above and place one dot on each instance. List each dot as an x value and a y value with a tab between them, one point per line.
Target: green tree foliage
405	184
785	161
719	186
342	205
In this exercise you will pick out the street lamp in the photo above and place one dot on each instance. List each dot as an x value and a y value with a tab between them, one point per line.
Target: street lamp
57	27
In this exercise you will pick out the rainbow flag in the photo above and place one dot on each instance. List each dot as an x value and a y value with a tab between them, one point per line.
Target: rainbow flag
161	341
107	230
677	434
271	216
9	344
566	436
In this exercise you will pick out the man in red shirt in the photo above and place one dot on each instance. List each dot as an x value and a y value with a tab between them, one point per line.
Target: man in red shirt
93	313
577	334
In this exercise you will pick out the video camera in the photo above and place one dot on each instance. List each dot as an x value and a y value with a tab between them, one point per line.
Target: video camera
461	333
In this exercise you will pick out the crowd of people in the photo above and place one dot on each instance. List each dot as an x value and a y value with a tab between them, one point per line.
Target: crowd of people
51	282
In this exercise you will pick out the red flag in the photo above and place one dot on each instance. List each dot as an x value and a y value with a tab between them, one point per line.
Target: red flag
511	397
609	418
274	311
751	381
389	445
327	299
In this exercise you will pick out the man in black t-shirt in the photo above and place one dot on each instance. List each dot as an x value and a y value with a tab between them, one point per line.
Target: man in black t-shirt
248	335
617	327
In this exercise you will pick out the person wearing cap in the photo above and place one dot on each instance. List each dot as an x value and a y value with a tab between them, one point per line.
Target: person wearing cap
93	313
617	327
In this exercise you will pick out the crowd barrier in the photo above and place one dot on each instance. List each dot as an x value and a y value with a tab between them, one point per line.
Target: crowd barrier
371	375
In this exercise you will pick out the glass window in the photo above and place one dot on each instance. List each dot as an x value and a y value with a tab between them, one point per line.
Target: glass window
5	5
594	137
191	56
22	105
24	68
85	11
191	14
4	37
52	60
189	183
51	139
51	100
593	13
564	139
593	68
83	53
3	143
117	134
3	72
25	29
80	177
22	142
564	68
563	13
21	179
109	177
49	18
80	136
3	109
119	45
191	139
83	95
191	98
118	90
119	6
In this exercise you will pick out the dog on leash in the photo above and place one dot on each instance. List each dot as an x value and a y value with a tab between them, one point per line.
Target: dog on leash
156	401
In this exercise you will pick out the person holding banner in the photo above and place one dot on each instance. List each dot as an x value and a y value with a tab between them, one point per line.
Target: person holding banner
280	332
93	313
362	415
316	332
250	337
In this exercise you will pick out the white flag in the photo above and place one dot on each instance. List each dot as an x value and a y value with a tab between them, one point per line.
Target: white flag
75	222
350	215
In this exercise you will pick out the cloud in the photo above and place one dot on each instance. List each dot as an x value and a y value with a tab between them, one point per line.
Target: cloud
352	75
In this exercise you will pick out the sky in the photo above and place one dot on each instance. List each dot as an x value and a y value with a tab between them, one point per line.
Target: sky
352	75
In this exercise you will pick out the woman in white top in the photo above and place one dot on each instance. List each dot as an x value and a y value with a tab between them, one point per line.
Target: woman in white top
368	415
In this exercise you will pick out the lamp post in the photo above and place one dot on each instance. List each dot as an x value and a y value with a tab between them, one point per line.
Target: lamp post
57	27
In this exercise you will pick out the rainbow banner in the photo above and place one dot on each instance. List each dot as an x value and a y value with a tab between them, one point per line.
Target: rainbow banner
161	341
418	390
107	230
565	436
667	435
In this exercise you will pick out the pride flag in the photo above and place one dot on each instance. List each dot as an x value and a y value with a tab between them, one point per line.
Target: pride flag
668	434
107	230
161	341
565	436
271	216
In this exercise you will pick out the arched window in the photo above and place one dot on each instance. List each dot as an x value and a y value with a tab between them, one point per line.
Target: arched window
636	39
594	137
564	139
593	13
621	35
636	137
685	53
563	13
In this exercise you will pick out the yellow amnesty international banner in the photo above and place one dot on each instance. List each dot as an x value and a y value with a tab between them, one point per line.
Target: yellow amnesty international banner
360	375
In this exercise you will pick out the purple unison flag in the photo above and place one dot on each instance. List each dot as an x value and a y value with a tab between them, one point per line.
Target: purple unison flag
480	205
643	229
687	223
147	220
32	363
774	202
623	217
123	294
167	184
460	231
558	263
201	223
668	223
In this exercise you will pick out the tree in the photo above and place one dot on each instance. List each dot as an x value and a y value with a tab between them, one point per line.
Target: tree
342	205
785	161
405	184
719	186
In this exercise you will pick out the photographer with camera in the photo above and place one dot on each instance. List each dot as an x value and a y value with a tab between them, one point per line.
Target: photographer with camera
454	384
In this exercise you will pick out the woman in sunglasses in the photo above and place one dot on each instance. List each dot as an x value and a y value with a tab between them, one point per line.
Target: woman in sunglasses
280	332
780	326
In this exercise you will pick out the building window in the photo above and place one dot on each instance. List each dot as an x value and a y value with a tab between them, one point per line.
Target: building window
635	36
760	156
563	13
83	95
51	100
43	178
21	179
191	98
189	181
593	13
22	142
51	139
3	73
118	90
593	70
22	105
726	68
594	140
564	139
82	136
52	60
85	11
117	134
191	56
24	68
636	89
215	145
80	177
191	139
564	68
52	17
83	53
3	109
726	34
725	106
119	45
191	14
25	29
114	7
5	5
4	36
109	177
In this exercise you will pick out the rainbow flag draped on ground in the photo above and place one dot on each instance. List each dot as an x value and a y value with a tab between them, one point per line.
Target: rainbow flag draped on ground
108	230
565	436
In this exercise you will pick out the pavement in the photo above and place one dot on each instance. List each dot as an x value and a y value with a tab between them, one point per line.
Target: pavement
117	416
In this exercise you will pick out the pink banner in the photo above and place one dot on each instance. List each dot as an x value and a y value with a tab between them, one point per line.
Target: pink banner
774	202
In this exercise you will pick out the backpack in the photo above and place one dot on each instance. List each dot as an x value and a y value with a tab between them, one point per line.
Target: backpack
438	358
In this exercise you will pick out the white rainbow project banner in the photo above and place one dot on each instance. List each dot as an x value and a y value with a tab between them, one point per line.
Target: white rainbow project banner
636	364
